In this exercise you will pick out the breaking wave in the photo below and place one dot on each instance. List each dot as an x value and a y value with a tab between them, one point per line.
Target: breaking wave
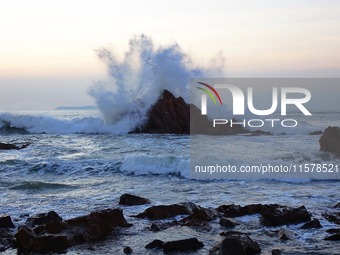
138	78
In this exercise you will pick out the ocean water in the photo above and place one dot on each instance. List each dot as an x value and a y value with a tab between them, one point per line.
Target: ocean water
76	164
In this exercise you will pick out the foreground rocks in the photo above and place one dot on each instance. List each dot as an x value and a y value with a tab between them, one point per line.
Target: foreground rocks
47	232
128	199
272	215
9	146
330	140
167	211
6	222
236	243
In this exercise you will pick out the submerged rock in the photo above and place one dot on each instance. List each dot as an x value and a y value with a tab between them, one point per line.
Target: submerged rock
335	237
276	252
155	244
285	234
191	244
57	235
128	199
330	140
160	212
319	132
236	243
315	223
9	146
271	215
127	250
225	222
332	217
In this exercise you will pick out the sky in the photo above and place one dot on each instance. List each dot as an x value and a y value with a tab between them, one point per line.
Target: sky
47	56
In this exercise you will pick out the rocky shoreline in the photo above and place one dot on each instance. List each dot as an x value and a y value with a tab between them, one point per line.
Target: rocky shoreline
48	232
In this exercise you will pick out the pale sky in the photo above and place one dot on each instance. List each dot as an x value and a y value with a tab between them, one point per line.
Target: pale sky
47	54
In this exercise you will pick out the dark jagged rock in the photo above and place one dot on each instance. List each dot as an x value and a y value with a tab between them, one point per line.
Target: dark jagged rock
169	115
330	140
57	235
332	217
260	132
319	132
9	146
225	222
199	218
128	199
159	226
285	234
6	222
335	237
315	223
127	250
237	210
43	219
30	241
201	214
284	216
271	215
333	230
6	239
191	244
337	205
155	244
236	243
160	212
276	252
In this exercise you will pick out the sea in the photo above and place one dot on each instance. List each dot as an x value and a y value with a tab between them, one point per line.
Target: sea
80	161
76	163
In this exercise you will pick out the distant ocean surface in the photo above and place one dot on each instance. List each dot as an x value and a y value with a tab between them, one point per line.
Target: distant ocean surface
76	164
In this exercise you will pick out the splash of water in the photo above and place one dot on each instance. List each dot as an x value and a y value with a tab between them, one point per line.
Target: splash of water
137	80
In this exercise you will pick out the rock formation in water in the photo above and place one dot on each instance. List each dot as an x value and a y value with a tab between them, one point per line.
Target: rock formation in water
330	140
171	115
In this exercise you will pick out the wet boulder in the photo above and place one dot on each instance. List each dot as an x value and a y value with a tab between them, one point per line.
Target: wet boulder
46	235
155	244
315	223
284	215
6	222
236	243
330	140
190	244
286	234
128	199
225	222
333	217
6	239
160	212
335	237
43	219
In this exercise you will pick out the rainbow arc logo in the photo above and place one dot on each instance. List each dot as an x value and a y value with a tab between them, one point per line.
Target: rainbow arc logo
211	92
